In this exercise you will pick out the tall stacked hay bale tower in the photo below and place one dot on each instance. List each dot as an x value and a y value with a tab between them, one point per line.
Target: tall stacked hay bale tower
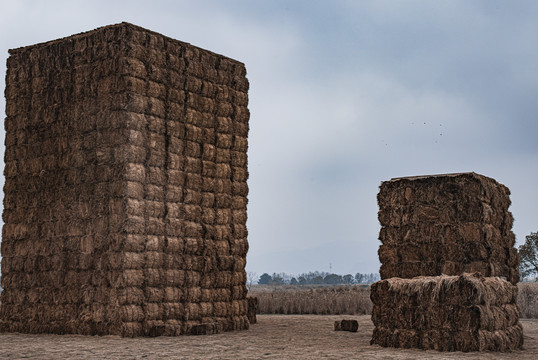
126	187
435	231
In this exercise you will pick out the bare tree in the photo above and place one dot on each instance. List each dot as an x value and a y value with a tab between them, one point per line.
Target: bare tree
528	256
252	277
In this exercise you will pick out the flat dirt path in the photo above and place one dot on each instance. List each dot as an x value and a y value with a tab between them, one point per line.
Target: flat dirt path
273	337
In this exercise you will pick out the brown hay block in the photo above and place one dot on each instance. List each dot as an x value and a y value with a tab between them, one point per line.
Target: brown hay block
175	310
239	174
239	189
239	292
193	294
193	133
239	263
130	313
209	185
223	201
193	149
209	152
240	144
239	158
346	325
192	197
239	277
153	328
192	311
224	295
174	277
239	246
447	313
223	156
457	290
226	262
252	303
206	310
174	227
223	171
223	216
131	295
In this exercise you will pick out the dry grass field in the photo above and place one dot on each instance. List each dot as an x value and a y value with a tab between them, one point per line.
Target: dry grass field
326	300
528	300
273	337
352	300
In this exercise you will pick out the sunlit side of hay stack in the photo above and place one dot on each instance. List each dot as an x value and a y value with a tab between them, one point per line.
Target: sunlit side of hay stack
434	227
126	193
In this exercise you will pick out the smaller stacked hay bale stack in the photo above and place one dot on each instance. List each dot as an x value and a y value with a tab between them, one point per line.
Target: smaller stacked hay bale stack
436	230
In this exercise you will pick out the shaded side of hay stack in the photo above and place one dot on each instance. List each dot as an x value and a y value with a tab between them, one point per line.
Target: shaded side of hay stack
447	313
446	224
126	192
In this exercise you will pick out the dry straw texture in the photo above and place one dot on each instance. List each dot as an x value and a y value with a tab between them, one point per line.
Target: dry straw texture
446	224
126	187
447	313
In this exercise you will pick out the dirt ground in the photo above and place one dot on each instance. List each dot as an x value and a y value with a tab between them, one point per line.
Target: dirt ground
273	337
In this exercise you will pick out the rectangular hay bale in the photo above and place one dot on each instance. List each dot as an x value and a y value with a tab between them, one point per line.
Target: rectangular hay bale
446	313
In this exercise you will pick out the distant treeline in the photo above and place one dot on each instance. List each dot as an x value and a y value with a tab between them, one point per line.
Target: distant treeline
316	278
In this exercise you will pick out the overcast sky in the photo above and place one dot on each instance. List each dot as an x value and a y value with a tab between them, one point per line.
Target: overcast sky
344	95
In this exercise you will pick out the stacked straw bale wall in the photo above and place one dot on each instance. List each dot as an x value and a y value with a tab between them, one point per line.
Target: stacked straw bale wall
446	224
447	313
126	187
436	231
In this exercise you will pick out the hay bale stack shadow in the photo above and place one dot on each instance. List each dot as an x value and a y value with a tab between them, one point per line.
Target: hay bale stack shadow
126	187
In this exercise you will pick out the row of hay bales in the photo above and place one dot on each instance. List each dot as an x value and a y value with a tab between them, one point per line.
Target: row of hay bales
126	187
449	269
447	313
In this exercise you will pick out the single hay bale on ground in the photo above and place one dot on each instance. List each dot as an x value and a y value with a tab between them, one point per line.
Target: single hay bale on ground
447	313
346	325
